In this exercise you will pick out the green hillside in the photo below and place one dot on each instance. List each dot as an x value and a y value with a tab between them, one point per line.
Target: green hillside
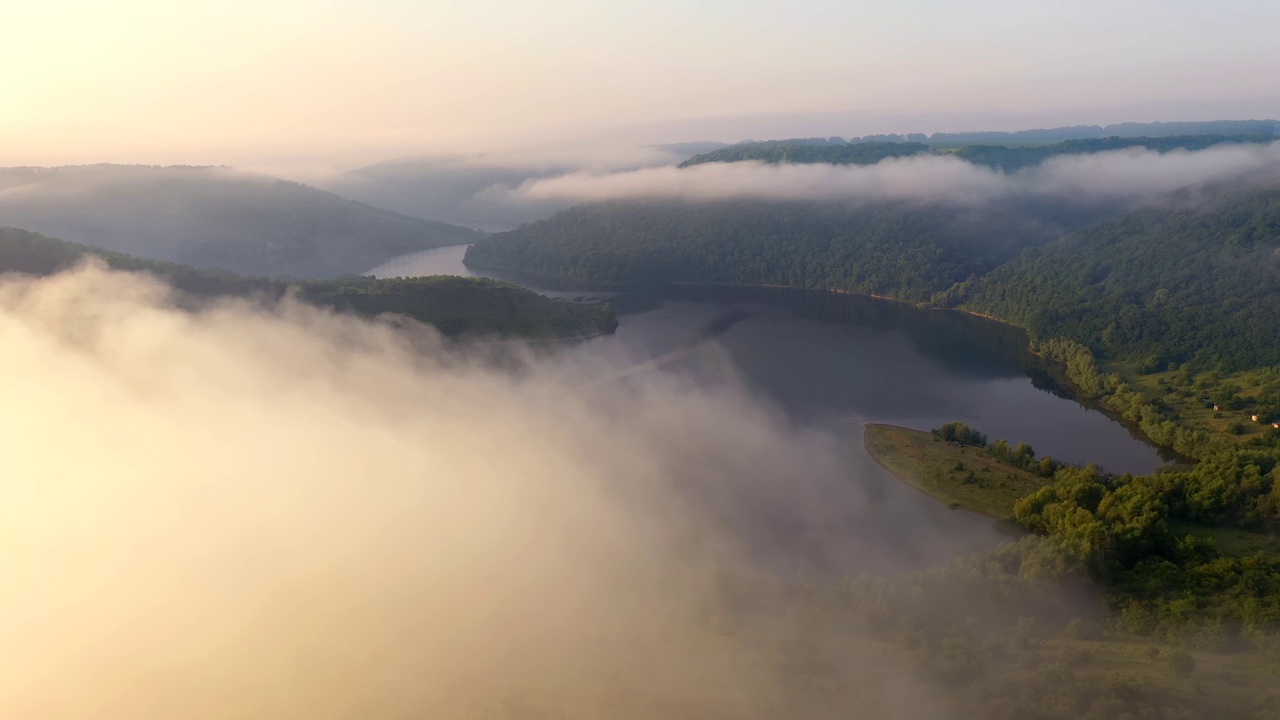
903	250
1195	280
1192	278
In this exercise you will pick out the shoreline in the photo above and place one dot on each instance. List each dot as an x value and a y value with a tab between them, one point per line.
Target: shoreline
636	288
1057	371
937	469
540	341
950	505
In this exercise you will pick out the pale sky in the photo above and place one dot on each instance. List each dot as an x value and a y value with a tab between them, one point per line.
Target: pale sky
344	81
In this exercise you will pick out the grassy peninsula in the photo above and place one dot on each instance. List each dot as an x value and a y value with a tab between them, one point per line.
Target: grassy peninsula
962	476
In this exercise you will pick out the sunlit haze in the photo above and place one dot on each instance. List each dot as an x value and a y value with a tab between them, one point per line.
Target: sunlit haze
639	359
293	82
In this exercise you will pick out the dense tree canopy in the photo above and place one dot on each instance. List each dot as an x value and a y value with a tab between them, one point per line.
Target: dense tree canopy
1198	280
1194	278
904	250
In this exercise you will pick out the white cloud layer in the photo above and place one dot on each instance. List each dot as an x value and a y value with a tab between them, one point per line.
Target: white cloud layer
275	512
1131	174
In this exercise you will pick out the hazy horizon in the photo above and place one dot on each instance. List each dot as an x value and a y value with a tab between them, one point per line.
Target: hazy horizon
299	88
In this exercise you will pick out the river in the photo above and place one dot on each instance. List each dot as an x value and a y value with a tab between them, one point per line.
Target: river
838	362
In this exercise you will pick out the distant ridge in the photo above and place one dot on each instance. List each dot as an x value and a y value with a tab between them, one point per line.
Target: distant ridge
1227	128
214	217
1011	156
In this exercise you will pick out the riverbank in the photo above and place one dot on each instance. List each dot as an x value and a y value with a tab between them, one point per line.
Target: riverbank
1052	371
963	477
951	335
968	478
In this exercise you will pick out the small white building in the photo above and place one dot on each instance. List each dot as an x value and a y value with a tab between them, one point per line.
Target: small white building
1256	418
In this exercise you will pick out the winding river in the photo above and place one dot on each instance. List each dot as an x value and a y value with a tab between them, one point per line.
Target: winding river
837	362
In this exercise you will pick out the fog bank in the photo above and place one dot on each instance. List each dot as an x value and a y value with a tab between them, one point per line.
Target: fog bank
455	188
256	512
1131	174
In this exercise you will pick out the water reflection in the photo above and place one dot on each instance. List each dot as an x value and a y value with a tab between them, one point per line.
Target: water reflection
842	360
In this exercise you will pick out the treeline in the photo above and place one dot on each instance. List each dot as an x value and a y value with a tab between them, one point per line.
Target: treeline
1018	157
1036	136
1158	421
1203	127
1021	456
456	306
464	306
1120	130
805	151
904	250
961	434
1196	280
987	154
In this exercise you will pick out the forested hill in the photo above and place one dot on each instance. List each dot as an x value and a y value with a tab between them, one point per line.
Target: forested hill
214	217
456	306
904	250
1007	157
1195	277
1174	282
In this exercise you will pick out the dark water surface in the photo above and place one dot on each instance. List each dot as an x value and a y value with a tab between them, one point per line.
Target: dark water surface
837	362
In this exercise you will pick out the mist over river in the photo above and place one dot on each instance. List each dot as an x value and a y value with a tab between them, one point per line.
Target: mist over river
837	362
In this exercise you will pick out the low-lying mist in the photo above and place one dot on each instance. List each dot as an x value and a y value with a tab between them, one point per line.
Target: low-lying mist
456	188
1129	175
276	512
